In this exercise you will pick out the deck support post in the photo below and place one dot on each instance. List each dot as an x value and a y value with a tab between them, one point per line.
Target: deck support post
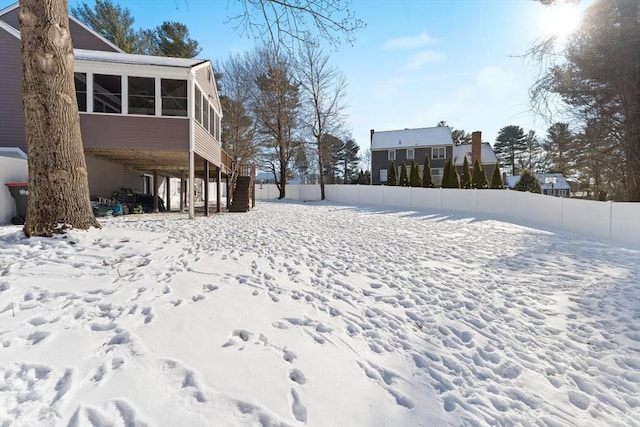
206	187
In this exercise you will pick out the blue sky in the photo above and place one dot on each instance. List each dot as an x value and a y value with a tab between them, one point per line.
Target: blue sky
417	62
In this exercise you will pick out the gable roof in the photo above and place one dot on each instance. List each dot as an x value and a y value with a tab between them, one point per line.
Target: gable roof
9	29
546	179
411	138
13	22
487	155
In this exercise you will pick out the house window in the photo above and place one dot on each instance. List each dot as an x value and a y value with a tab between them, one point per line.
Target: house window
107	93
80	80
174	97
383	175
392	155
198	106
436	175
562	193
205	113
410	154
438	152
142	95
212	121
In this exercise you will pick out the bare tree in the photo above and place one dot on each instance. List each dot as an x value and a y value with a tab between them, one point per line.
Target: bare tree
58	186
275	103
285	23
238	126
323	89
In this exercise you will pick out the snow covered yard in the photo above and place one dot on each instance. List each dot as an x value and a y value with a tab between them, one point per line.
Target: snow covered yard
317	314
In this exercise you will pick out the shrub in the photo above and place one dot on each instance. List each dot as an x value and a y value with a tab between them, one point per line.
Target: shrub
496	178
404	178
528	182
427	180
391	178
414	176
465	178
479	179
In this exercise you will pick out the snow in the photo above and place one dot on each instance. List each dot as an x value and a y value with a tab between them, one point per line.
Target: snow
318	314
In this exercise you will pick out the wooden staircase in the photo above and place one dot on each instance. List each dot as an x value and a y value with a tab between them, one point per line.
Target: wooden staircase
243	190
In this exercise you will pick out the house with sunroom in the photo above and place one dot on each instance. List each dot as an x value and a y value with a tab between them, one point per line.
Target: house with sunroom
150	124
406	145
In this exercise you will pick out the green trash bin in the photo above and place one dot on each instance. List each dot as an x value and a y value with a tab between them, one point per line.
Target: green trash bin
20	193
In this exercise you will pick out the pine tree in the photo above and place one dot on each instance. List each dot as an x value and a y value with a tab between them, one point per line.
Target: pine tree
427	180
450	176
528	182
496	179
414	176
404	178
391	179
465	178
479	179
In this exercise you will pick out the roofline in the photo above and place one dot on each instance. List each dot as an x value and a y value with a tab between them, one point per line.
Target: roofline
78	52
401	130
9	29
16	150
71	17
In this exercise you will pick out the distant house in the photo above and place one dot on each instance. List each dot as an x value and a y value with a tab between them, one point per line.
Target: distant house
144	119
476	150
406	145
553	184
435	142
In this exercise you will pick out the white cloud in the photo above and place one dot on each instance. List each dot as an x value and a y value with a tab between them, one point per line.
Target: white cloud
411	42
424	57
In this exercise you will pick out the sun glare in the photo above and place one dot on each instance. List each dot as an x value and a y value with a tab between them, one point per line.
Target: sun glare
561	20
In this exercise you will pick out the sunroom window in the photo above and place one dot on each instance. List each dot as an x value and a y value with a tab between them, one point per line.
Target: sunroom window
107	93
174	97
142	95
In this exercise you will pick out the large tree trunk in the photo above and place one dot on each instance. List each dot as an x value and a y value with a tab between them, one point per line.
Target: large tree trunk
58	187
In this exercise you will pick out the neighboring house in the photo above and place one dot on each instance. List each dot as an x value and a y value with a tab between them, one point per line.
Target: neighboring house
406	145
143	118
13	169
477	149
553	184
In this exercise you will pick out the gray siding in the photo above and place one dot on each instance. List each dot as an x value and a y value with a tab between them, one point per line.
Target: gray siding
11	115
379	160
80	36
133	132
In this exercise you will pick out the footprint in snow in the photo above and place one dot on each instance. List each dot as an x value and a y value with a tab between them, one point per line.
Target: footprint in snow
297	408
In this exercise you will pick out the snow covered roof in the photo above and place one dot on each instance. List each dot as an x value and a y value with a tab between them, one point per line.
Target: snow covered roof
129	58
423	137
548	181
12	152
487	155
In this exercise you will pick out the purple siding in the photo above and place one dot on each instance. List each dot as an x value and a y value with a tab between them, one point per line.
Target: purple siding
132	132
205	144
80	36
11	115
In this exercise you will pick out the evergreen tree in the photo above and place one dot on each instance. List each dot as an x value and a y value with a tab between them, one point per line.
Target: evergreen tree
465	178
450	175
172	39
528	182
414	176
427	180
111	21
496	178
404	178
509	146
391	178
479	179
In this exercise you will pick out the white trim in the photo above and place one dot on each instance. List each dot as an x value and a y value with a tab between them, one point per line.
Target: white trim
9	29
191	114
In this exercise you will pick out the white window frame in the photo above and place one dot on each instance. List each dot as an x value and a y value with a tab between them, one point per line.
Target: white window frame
439	152
384	177
410	154
391	155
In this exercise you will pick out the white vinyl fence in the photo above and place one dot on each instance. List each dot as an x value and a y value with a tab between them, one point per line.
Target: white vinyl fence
615	221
